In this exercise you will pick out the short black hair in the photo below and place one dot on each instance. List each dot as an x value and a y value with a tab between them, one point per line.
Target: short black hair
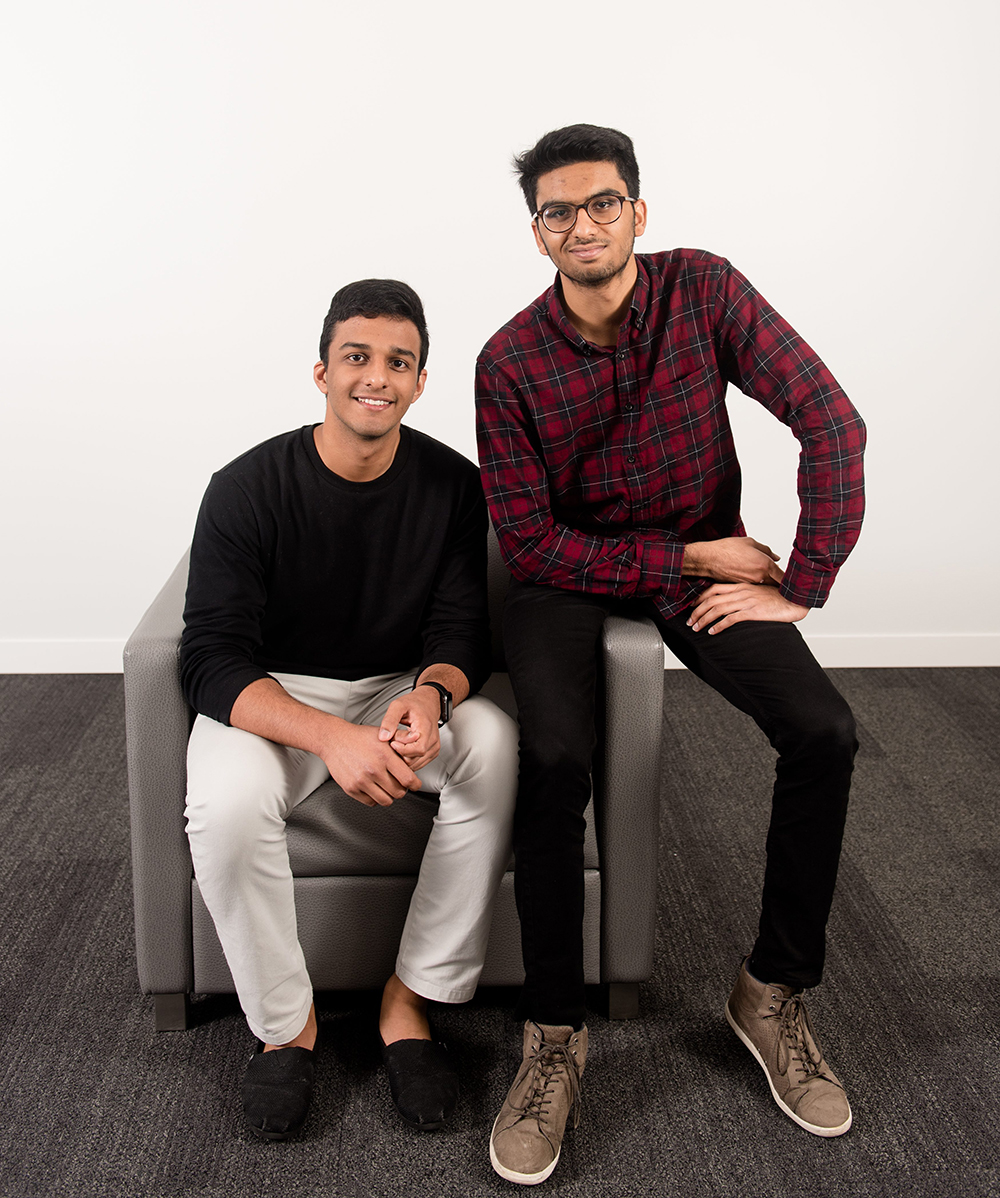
576	143
371	298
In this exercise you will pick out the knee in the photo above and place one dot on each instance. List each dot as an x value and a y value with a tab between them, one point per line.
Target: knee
557	750
484	750
826	730
228	820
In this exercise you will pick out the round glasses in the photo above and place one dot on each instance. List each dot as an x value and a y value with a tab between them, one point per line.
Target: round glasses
602	210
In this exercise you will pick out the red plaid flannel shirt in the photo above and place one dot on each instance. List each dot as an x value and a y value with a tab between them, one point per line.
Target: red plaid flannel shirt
600	464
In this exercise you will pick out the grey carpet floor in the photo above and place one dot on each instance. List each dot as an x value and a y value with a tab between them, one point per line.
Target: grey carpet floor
93	1102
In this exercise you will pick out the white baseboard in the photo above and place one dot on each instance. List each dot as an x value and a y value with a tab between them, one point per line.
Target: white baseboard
946	649
887	651
61	657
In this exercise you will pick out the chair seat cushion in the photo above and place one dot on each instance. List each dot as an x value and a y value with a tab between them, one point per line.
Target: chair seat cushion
331	835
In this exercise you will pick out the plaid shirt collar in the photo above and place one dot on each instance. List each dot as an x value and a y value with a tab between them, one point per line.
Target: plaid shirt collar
636	318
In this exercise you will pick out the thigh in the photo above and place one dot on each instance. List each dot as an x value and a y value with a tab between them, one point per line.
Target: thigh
236	772
551	640
765	669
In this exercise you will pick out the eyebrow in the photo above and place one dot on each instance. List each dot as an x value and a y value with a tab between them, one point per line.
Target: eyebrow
605	191
395	350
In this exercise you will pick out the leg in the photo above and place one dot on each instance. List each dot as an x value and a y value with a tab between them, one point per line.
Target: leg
444	939
241	788
623	1000
551	640
170	1012
767	671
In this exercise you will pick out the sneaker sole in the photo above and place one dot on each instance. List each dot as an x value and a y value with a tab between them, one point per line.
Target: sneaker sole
521	1179
825	1132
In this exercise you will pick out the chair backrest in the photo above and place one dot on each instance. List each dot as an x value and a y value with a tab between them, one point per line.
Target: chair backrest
498	579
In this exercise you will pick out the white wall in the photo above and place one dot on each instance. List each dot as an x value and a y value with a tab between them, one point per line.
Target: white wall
186	184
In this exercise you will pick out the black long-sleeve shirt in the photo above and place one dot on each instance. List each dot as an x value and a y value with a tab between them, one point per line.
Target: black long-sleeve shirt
296	570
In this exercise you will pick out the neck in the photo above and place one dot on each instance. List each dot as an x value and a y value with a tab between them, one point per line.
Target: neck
353	458
597	312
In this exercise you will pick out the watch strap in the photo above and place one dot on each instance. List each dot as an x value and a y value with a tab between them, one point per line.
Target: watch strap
446	699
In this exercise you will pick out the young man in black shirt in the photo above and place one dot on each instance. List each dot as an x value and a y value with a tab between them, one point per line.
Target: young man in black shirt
336	625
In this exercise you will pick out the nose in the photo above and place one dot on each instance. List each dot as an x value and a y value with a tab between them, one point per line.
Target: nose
376	375
586	227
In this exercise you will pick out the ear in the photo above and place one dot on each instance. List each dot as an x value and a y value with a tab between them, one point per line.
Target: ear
640	217
420	386
538	239
319	377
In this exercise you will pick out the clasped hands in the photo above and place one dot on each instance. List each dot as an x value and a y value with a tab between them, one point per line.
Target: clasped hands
747	588
378	765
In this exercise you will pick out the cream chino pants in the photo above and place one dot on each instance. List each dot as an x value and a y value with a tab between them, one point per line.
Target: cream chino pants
242	788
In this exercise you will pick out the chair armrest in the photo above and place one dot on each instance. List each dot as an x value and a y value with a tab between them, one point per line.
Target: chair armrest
628	814
157	724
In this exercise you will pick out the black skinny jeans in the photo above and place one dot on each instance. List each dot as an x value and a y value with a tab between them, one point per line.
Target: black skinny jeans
765	669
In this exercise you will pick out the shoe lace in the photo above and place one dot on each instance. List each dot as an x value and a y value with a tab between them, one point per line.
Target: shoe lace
549	1061
794	1043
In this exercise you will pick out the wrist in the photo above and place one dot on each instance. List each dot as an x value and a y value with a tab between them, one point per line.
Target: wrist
444	698
693	562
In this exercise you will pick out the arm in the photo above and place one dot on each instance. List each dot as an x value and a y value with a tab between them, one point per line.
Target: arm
535	546
455	629
226	593
455	623
357	756
762	354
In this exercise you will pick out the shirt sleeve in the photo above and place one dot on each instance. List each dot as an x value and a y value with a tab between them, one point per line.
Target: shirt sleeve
760	353
456	626
225	602
536	547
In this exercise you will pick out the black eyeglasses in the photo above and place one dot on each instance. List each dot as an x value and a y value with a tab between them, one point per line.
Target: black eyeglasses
602	210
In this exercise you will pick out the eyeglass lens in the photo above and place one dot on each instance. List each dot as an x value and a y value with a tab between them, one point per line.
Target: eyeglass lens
604	210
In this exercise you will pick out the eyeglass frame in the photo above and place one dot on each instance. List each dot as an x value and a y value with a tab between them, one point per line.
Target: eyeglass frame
607	195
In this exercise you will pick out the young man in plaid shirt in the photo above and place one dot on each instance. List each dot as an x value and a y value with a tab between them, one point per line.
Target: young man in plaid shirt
612	479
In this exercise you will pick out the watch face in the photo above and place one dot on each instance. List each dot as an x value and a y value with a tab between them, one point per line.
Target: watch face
446	702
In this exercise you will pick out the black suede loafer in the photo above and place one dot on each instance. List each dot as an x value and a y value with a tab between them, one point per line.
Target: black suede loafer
276	1092
424	1086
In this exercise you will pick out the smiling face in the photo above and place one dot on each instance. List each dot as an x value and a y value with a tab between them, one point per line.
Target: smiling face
370	378
590	254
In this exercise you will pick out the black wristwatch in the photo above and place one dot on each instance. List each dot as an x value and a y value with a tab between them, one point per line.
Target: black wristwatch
445	700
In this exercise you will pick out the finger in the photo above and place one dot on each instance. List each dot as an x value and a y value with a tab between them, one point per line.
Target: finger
372	795
744	598
418	763
774	573
401	772
704	608
731	618
395	714
408	750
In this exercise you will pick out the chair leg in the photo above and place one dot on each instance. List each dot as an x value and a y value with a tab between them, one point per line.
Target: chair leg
170	1012
623	1000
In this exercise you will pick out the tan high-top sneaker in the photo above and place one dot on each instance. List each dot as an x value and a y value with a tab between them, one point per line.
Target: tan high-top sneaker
528	1132
771	1021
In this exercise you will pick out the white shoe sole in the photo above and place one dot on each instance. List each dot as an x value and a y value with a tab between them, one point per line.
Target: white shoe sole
521	1179
825	1132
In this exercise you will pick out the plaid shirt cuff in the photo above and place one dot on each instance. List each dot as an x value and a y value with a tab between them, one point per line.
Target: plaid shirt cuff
806	583
660	563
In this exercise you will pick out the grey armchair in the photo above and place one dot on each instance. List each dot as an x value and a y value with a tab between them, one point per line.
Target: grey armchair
355	867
